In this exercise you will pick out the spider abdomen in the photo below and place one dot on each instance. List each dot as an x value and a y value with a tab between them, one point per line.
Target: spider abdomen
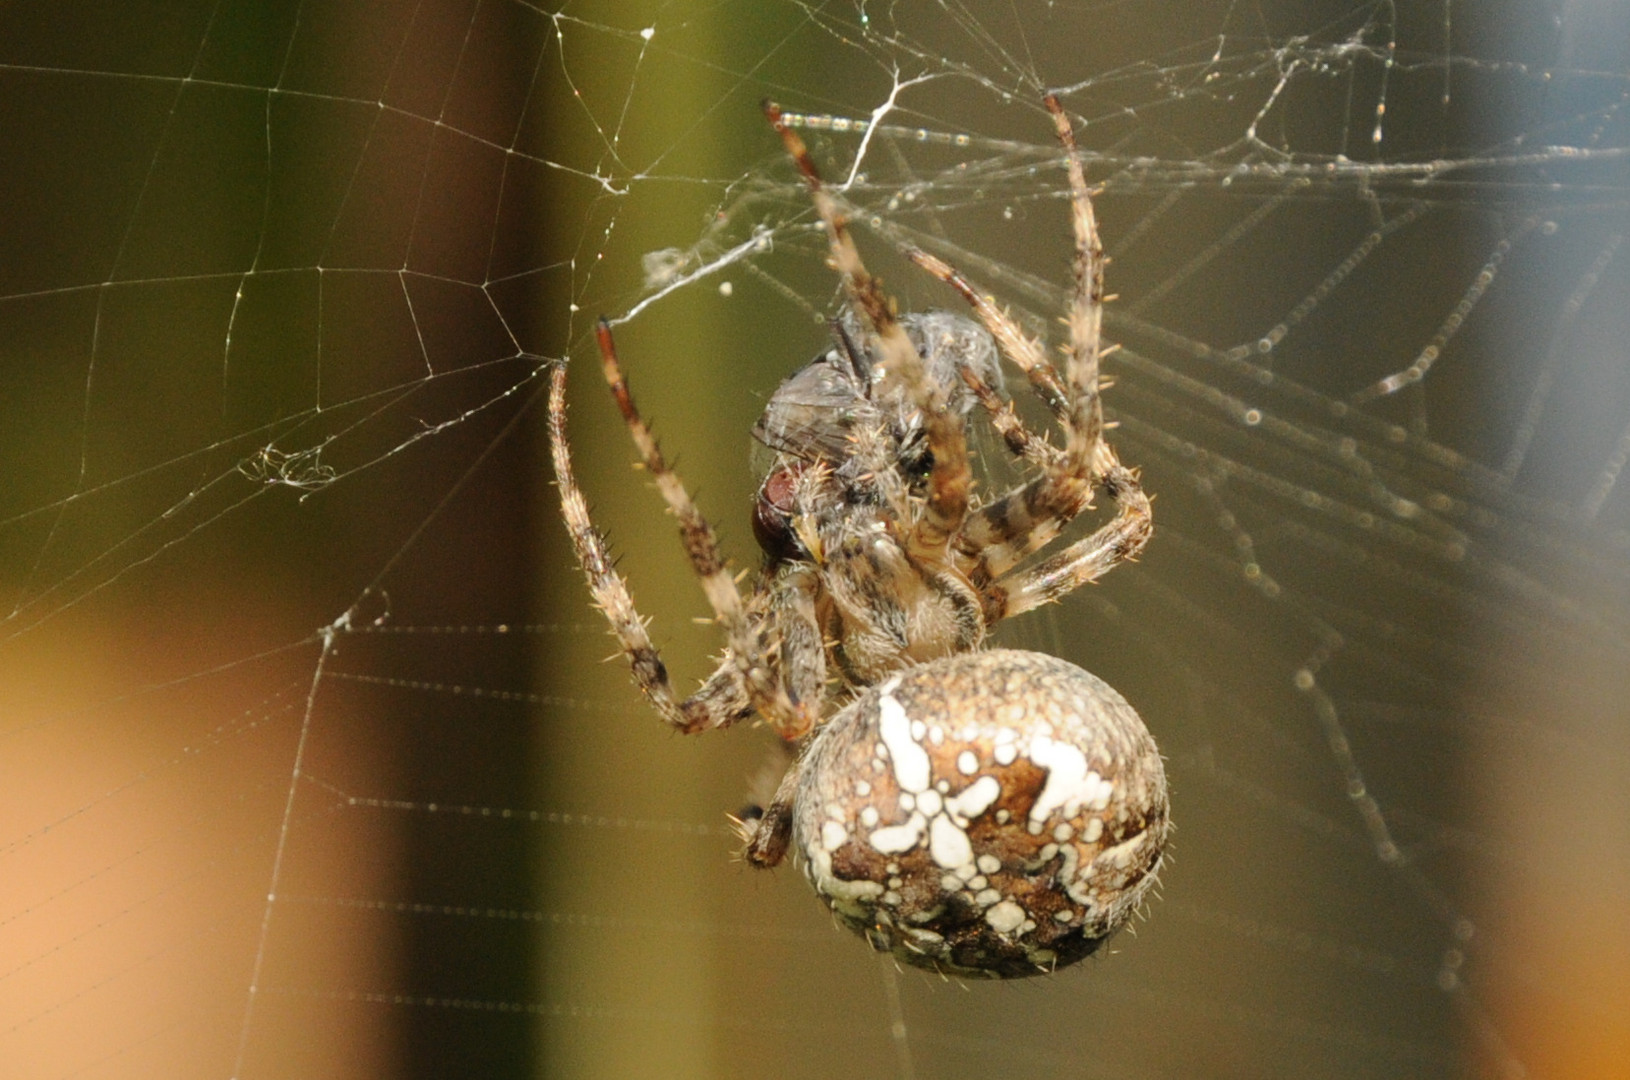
994	814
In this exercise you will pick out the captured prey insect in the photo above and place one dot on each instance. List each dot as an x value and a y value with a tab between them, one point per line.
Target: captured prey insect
981	812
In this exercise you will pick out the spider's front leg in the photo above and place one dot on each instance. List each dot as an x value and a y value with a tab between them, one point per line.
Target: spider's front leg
746	681
609	589
951	479
1089	558
1021	442
1002	533
1006	531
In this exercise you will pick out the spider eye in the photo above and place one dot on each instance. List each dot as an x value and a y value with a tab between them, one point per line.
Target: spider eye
772	514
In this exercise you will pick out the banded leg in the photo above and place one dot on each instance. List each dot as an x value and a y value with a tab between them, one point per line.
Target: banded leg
1086	314
1089	558
1021	442
1001	534
952	477
608	587
1006	531
769	835
745	643
1023	352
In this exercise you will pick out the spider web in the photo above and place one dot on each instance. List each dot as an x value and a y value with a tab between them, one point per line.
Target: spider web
309	767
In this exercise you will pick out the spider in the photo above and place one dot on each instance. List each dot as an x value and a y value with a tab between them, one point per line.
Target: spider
980	812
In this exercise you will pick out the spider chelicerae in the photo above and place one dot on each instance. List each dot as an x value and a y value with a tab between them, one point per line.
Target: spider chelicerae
982	812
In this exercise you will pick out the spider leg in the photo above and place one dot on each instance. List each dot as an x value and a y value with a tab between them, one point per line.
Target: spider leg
1000	534
745	642
952	476
1088	559
608	587
769	836
802	649
1004	532
1022	351
1124	537
1086	314
721	700
1021	442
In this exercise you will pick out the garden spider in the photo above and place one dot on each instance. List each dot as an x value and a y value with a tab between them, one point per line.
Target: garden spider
980	812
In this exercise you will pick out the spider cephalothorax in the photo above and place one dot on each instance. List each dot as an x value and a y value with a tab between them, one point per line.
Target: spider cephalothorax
992	813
